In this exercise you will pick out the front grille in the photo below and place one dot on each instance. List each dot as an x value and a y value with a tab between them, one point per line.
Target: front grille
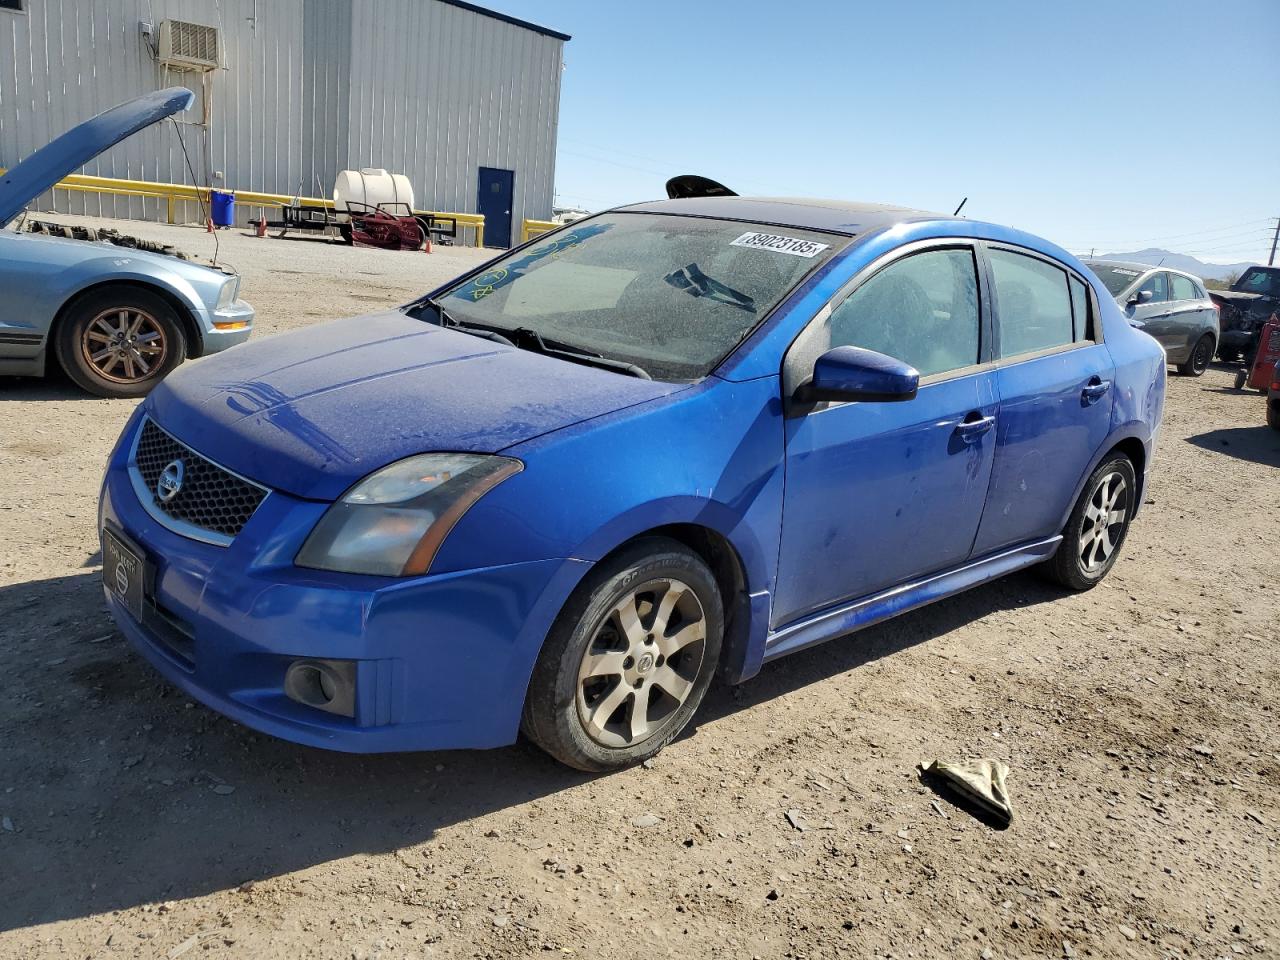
209	498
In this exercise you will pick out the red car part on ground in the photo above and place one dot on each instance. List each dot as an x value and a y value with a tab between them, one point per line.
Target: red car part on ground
1268	355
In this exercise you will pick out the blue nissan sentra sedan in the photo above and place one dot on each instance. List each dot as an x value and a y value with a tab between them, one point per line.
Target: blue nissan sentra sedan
675	439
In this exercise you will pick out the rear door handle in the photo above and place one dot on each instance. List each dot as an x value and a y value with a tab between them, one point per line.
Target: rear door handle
1094	390
974	426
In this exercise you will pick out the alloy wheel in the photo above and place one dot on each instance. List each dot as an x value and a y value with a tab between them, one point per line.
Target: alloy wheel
1104	522
124	344
641	663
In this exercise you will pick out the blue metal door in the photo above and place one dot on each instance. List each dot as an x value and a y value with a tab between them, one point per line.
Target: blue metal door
878	493
1055	411
497	190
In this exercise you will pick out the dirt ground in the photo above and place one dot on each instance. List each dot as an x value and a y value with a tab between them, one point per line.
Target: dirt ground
1141	721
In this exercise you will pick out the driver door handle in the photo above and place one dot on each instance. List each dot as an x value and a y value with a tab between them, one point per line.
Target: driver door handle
1094	390
974	426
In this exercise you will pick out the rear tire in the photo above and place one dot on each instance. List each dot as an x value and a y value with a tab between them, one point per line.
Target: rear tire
119	341
1273	414
1197	361
1097	527
628	660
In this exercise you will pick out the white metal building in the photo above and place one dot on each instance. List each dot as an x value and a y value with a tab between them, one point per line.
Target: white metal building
461	99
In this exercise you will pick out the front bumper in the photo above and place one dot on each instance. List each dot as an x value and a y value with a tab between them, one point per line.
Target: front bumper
227	326
441	661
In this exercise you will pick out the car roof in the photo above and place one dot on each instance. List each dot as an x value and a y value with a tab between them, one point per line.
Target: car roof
1143	268
832	216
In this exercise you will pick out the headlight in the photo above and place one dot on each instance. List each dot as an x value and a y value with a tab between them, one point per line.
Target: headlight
393	521
227	295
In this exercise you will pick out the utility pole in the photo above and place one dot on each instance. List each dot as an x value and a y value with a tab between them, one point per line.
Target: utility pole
1275	239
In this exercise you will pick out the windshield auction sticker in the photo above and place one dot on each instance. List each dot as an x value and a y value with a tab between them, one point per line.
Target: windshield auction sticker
790	245
1125	273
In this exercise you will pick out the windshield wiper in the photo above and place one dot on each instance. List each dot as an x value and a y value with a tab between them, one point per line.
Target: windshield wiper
528	339
524	338
449	322
694	282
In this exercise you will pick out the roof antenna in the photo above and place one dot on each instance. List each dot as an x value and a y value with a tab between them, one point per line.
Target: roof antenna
961	207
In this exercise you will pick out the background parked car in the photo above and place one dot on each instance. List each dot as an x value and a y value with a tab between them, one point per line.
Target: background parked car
117	320
1244	309
1170	305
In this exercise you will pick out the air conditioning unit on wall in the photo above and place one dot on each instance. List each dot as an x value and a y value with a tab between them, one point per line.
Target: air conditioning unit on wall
188	46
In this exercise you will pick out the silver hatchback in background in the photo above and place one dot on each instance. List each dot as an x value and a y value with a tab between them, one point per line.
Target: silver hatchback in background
1170	305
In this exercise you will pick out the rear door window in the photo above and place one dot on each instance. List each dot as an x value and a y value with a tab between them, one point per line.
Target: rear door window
922	310
1034	303
1158	284
1183	288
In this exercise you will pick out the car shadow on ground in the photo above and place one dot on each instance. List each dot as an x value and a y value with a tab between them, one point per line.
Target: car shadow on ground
1260	444
56	386
117	790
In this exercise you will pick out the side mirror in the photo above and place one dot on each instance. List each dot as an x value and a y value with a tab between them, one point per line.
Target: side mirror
852	373
1139	298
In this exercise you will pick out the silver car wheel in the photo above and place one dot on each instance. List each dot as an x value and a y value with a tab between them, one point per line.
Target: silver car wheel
1104	522
641	663
124	344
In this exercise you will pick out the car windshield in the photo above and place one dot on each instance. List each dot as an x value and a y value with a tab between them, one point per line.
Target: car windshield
1260	280
1113	276
670	295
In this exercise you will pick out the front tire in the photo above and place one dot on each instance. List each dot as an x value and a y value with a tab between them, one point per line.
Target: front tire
119	341
1097	527
1197	361
629	659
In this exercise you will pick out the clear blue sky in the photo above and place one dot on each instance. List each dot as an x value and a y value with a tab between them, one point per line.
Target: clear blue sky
1118	124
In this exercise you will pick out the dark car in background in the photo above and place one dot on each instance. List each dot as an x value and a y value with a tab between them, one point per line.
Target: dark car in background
1244	309
1171	306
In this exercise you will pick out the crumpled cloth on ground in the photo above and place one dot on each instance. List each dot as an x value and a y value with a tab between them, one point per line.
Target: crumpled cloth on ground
982	781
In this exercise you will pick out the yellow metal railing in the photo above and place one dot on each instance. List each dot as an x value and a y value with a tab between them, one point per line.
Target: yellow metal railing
172	193
535	228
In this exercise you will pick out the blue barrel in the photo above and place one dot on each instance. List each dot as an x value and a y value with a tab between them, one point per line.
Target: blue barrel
223	208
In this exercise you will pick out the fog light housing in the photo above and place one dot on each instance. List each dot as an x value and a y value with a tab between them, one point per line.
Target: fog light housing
328	685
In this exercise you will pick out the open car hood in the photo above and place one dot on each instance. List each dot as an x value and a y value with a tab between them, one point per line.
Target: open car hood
71	151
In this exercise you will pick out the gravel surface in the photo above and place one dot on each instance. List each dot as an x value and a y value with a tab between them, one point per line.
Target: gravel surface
1141	722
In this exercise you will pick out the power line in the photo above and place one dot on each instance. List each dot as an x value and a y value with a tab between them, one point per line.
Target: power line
1227	233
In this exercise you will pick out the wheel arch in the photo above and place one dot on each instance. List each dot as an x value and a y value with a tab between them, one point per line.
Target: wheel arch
736	566
190	327
1133	441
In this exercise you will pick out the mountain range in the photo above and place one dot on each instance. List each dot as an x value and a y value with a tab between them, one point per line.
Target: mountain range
1180	261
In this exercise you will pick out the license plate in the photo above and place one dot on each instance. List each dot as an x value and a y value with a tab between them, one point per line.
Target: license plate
122	573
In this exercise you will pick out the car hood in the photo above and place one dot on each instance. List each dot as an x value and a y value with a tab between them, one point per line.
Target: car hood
313	411
71	151
1240	296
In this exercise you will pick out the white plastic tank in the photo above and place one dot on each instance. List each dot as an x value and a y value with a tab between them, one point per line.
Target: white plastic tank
371	187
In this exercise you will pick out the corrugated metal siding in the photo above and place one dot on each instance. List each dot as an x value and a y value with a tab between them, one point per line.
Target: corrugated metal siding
438	92
310	87
326	96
